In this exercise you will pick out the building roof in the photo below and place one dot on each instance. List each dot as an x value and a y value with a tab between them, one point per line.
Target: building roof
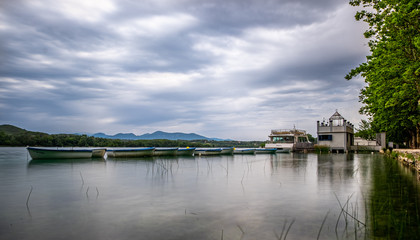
336	116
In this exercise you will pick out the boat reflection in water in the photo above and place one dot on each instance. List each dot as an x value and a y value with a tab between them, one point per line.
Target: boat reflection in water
65	161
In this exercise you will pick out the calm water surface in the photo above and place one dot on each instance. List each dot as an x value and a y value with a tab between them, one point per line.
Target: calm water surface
283	196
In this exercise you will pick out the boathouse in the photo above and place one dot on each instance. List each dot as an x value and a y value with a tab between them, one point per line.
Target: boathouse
337	133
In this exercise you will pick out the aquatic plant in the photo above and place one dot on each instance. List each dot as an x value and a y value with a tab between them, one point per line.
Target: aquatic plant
393	204
321	149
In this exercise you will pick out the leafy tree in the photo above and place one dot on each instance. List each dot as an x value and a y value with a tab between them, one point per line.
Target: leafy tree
365	131
392	71
312	139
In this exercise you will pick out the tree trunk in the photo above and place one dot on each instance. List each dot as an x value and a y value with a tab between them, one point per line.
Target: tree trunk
418	136
412	138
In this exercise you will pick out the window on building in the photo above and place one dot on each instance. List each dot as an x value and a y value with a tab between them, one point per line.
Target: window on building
325	137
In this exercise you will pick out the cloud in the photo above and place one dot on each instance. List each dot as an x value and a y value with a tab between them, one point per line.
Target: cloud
229	69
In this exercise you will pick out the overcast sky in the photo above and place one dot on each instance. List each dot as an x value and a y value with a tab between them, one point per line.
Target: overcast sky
222	68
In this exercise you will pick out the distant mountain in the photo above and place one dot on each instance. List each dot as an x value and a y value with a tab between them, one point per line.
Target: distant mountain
125	136
172	136
13	130
156	135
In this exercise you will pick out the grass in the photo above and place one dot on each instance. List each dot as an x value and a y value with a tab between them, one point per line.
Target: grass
282	231
321	149
323	222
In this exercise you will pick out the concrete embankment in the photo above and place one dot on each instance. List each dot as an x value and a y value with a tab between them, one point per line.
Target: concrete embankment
410	157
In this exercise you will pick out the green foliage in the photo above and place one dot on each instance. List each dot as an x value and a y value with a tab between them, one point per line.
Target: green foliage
10	129
312	139
321	149
410	157
365	131
394	155
392	71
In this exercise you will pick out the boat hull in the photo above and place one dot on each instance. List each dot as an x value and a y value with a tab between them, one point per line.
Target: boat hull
132	153
98	152
43	153
227	151
283	150
110	153
244	151
165	152
207	152
265	150
281	147
185	151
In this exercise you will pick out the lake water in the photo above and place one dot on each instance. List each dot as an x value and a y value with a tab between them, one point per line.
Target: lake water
282	196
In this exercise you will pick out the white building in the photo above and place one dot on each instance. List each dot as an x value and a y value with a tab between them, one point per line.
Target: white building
337	133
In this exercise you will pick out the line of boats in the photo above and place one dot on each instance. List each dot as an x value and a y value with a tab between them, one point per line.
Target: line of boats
76	153
280	140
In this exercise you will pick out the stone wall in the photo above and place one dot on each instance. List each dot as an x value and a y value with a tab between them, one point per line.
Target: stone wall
410	157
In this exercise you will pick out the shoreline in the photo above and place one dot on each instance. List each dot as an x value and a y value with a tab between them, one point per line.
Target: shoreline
410	157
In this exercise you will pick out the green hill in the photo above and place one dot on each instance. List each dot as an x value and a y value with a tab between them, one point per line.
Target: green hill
12	130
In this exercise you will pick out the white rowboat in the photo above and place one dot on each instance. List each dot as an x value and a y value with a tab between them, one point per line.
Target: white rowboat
59	153
265	150
185	151
98	152
244	151
227	151
131	152
165	151
207	151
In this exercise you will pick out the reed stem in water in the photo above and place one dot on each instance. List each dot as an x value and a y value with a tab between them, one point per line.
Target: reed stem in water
29	195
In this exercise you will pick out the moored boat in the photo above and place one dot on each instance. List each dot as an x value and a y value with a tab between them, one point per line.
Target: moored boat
207	151
188	151
110	153
286	140
165	151
131	152
244	151
59	153
98	152
265	150
283	150
227	151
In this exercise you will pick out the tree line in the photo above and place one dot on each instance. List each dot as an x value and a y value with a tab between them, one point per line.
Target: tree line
391	97
73	140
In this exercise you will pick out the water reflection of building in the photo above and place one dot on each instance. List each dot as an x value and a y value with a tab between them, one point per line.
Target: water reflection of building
337	133
335	167
295	161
